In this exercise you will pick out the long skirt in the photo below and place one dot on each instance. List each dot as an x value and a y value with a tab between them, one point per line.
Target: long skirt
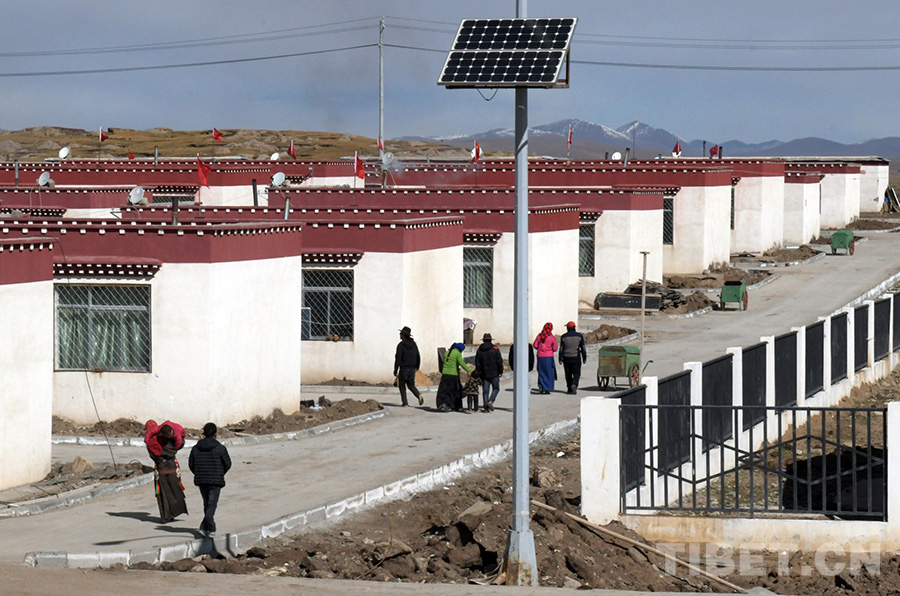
546	372
449	393
170	496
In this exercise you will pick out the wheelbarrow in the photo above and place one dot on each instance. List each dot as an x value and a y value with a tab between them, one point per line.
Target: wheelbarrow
734	290
843	239
619	361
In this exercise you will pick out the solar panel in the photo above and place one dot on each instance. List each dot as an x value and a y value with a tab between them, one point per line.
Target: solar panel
508	53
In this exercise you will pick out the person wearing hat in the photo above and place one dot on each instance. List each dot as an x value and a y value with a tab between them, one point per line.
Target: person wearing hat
489	366
406	363
572	355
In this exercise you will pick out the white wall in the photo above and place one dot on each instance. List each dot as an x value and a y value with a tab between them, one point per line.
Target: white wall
801	212
758	214
702	229
225	347
422	290
553	285
620	236
26	385
872	183
840	199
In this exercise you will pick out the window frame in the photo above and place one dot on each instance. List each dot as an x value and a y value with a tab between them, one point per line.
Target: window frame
348	292
583	242
470	268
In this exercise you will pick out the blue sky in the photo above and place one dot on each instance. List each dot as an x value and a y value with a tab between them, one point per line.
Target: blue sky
337	90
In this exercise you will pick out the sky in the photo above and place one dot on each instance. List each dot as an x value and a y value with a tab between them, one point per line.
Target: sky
313	66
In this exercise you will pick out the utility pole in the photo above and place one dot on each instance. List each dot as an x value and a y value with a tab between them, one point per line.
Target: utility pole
381	80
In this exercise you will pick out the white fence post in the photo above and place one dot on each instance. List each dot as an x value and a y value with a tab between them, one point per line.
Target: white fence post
600	459
826	362
801	364
851	345
870	341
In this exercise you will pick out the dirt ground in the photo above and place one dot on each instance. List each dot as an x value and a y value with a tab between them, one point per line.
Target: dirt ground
713	278
777	255
870	224
605	333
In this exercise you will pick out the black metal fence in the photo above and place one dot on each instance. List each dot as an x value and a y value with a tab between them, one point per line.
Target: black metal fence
786	369
632	425
882	328
753	383
815	358
674	423
838	348
829	461
860	335
717	391
896	333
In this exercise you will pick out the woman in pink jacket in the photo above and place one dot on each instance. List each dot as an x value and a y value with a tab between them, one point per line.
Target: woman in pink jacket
546	346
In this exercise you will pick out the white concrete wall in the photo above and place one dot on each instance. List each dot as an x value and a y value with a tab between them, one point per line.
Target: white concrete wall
702	229
553	284
620	236
422	290
26	385
872	183
226	350
840	200
758	214
801	212
233	195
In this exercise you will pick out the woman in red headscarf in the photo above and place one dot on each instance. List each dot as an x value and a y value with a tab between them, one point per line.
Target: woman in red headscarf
163	442
546	346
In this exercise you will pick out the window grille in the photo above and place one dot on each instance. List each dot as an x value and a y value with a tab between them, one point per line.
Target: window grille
668	221
586	233
328	293
102	327
478	276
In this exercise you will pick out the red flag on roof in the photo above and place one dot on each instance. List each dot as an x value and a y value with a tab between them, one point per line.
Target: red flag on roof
358	167
677	150
570	137
202	171
476	153
103	135
380	144
714	151
217	136
291	151
130	154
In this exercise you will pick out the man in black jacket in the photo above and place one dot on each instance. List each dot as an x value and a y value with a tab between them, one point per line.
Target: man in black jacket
209	462
572	355
406	363
489	366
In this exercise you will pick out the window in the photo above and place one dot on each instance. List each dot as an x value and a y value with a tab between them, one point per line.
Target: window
102	327
586	250
478	276
668	221
328	293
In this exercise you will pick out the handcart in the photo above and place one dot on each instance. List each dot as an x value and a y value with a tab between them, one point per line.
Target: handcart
619	361
734	290
843	239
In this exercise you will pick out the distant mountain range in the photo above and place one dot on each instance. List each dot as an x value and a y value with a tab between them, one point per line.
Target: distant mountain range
592	141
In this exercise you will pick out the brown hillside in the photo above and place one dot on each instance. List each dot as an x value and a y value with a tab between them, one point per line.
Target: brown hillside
44	142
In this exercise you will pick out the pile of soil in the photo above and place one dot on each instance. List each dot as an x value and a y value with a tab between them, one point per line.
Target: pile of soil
458	534
693	302
605	333
777	255
65	477
713	278
276	422
869	224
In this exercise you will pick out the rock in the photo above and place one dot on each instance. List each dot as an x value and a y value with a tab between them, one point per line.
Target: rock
273	572
198	568
215	565
466	557
79	467
345	533
571	583
421	564
458	534
478	508
315	563
401	567
386	550
257	552
543	477
183	565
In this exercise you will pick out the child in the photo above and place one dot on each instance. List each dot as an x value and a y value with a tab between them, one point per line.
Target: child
473	386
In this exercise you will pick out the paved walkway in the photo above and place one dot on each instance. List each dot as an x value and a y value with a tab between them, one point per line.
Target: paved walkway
274	480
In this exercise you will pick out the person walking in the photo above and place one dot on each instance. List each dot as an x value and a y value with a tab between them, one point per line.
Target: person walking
449	393
572	355
489	366
406	363
163	441
546	346
209	462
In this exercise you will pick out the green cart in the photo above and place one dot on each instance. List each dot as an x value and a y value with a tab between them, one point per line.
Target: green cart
619	361
843	239
734	290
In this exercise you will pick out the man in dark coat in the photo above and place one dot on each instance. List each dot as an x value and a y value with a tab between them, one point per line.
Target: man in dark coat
489	366
209	462
572	355
406	363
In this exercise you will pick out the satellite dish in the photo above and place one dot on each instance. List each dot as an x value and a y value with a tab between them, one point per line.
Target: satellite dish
278	179
387	159
136	195
64	152
43	179
275	156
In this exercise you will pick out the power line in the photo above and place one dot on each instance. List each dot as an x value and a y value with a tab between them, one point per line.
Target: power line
732	46
50	73
741	68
